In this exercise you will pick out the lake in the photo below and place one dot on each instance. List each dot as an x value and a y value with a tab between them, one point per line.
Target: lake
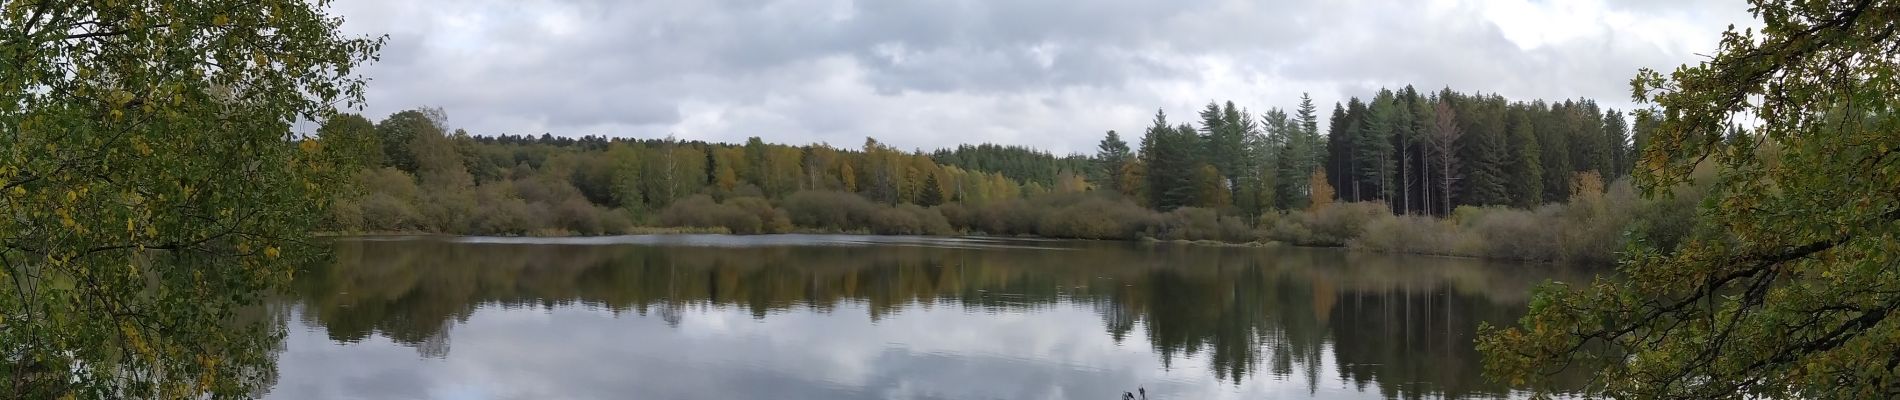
868	317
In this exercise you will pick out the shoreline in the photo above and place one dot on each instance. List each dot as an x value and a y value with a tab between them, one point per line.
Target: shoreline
660	231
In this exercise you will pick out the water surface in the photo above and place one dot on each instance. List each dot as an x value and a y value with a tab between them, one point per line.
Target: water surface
864	317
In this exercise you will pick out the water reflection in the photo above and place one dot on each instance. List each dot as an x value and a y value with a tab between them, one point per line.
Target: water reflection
830	317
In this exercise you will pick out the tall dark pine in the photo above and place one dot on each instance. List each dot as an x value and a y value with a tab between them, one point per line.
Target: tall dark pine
931	194
1589	152
1339	152
1352	152
1640	131
1406	134
1616	137
1223	140
1483	145
1300	155
1169	154
1111	157
1524	170
1553	142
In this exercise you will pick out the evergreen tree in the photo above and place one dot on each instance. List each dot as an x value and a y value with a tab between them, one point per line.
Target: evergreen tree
1553	141
931	194
1350	172
1373	148
1640	131
1338	149
1616	137
1524	169
1484	151
1111	158
1223	141
1405	135
1168	153
1284	139
1589	151
1299	155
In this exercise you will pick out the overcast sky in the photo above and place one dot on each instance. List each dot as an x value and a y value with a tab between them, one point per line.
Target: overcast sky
1052	74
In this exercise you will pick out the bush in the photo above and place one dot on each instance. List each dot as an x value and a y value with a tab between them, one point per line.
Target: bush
383	212
1332	226
1095	218
1417	234
836	211
771	219
345	216
499	214
578	216
700	211
1188	223
910	219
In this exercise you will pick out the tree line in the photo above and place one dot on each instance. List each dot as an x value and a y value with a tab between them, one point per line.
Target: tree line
1417	153
415	175
1237	176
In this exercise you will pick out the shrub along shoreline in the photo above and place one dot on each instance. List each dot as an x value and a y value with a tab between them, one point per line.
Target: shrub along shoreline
1592	228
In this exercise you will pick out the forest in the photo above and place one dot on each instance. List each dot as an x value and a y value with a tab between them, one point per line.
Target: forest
1441	173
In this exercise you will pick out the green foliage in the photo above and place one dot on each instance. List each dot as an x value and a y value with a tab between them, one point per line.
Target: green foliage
1524	169
1112	159
1795	295
399	131
153	191
1168	153
931	194
1373	151
351	141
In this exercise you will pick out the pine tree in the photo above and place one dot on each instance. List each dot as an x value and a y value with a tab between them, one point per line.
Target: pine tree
1405	134
1616	137
1339	147
1350	176
1483	156
931	194
1301	154
1524	169
1553	142
1168	153
1111	158
1373	145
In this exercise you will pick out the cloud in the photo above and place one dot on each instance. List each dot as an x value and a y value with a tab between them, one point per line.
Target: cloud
1052	74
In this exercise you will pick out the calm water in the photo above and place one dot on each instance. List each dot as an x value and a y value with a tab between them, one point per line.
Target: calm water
846	317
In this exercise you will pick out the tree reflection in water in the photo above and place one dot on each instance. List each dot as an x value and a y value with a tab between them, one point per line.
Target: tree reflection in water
1404	324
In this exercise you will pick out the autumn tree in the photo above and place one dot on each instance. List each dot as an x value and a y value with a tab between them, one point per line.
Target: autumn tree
1322	194
1443	146
1796	295
154	191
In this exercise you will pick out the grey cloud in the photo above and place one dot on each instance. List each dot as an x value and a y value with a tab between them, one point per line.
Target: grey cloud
1046	73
